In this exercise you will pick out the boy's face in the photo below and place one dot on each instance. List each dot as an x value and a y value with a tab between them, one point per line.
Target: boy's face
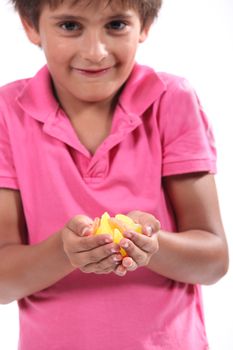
90	49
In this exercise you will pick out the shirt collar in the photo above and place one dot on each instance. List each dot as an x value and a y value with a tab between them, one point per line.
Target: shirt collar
141	90
37	98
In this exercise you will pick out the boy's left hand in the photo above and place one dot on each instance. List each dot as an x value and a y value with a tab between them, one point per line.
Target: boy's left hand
139	247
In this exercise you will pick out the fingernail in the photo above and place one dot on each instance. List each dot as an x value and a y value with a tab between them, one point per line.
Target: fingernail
108	240
149	230
117	258
125	245
115	250
120	271
128	234
86	231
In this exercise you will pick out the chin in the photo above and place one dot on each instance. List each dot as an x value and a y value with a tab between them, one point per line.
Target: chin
96	98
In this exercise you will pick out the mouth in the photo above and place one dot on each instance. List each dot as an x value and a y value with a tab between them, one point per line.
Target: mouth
93	72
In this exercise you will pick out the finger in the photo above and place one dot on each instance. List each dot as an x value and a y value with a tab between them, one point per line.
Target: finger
95	256
101	253
148	222
140	247
149	229
145	243
106	265
129	264
81	225
139	256
75	244
120	270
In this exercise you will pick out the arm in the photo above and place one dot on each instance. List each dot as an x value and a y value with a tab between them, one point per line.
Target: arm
26	269
197	253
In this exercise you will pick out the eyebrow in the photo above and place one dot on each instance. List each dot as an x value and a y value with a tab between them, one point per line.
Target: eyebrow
78	18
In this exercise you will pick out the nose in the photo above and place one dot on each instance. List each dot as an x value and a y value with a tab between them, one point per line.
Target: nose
94	48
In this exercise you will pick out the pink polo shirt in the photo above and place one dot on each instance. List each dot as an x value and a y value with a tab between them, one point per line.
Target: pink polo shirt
159	129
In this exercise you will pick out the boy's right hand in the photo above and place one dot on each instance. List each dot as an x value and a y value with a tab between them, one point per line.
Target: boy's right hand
89	253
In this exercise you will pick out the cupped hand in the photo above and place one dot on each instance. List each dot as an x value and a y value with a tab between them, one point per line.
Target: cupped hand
139	247
87	252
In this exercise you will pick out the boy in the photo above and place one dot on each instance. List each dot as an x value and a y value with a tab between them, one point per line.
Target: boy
95	132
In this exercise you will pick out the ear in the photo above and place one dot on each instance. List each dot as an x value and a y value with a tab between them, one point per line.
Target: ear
144	33
31	32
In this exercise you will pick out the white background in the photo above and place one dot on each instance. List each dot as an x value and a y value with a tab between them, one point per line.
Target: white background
194	39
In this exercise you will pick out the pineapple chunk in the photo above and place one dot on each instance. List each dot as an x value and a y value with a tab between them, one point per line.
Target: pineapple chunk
117	237
104	226
129	224
115	226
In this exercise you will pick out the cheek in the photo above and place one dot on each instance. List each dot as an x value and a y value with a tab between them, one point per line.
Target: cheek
56	51
127	55
128	49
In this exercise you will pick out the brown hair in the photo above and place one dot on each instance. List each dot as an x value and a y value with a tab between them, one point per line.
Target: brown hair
30	9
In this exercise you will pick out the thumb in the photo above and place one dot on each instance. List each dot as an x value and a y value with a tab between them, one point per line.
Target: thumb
148	222
81	225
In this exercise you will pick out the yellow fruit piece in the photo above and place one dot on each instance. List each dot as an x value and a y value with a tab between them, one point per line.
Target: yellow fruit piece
126	219
115	227
129	223
117	237
104	226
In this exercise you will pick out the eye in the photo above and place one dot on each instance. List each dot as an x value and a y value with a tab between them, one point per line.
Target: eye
117	25
70	26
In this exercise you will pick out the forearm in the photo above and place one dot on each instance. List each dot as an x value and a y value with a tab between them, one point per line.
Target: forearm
192	257
26	269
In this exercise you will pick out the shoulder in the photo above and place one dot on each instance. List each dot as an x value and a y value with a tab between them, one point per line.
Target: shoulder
21	97
14	90
8	99
145	87
147	81
142	73
9	94
11	90
176	85
180	94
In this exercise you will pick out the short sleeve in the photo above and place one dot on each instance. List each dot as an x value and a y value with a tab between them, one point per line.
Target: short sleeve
186	136
8	177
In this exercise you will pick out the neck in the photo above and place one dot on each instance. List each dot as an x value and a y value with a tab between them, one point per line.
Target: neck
75	108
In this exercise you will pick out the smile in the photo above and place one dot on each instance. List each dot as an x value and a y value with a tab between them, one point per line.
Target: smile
93	72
